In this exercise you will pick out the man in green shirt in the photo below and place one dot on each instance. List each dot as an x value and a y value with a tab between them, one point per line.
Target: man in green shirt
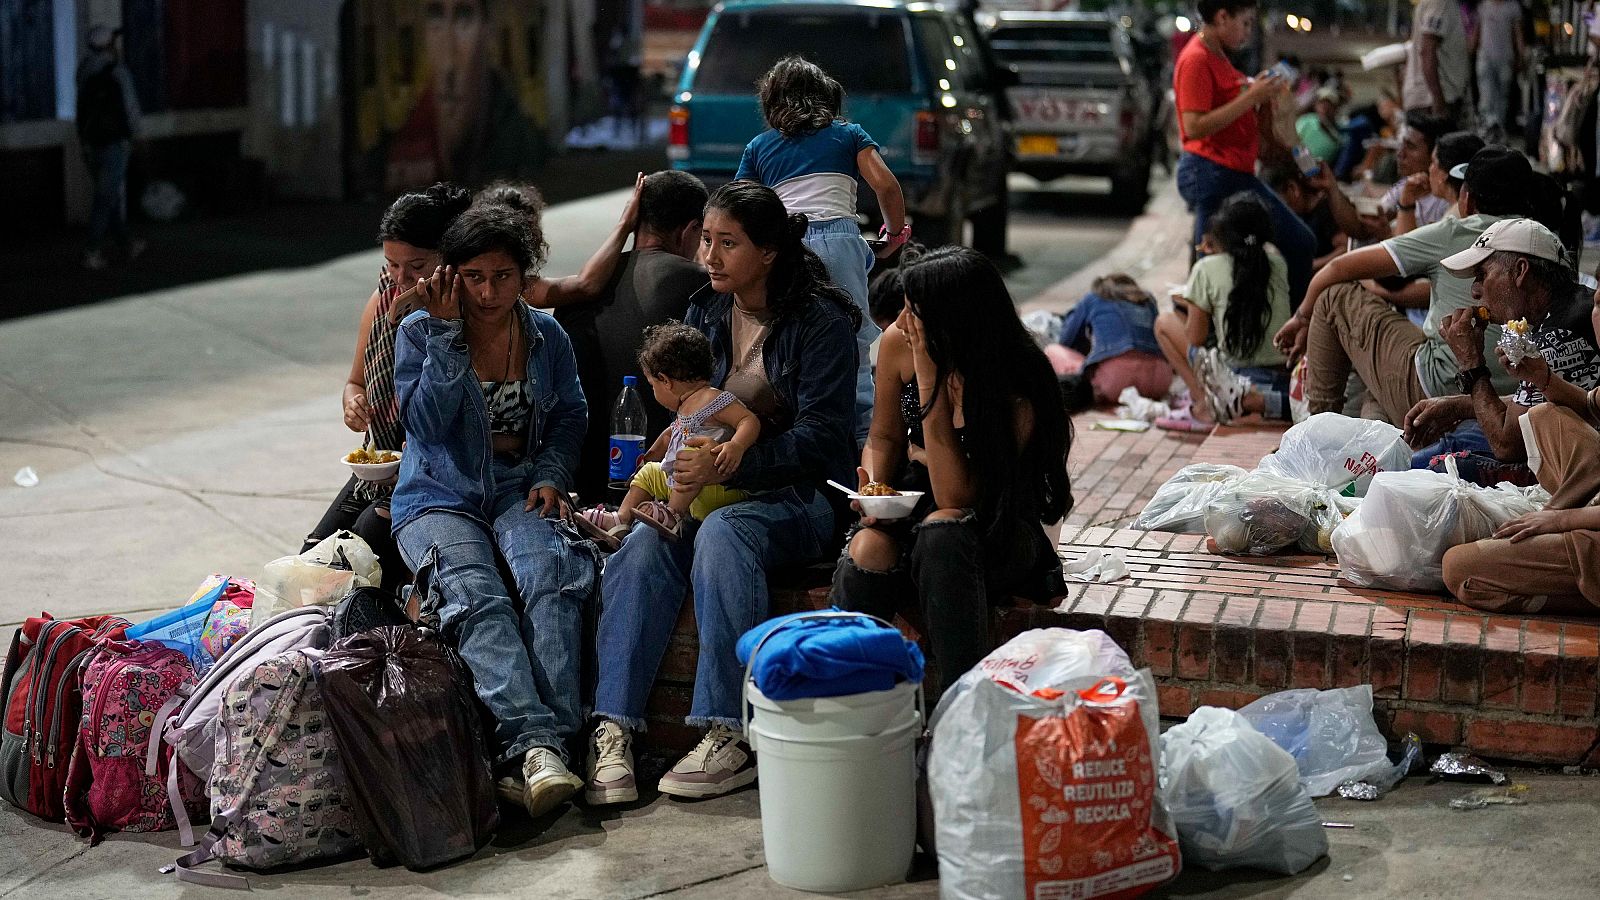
1342	328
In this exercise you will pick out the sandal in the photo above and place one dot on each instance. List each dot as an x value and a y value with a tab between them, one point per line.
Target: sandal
660	516
601	526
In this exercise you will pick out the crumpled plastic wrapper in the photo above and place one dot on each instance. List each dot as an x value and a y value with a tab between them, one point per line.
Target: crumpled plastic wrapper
1134	405
1376	786
1517	346
1099	564
1510	795
1464	765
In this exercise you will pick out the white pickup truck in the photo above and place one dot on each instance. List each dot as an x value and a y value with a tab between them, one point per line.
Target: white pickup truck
1083	105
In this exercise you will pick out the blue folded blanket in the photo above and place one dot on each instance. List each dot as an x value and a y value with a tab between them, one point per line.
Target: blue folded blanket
829	657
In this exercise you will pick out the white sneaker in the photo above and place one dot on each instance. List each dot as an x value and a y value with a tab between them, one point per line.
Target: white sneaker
721	763
546	783
1224	388
611	766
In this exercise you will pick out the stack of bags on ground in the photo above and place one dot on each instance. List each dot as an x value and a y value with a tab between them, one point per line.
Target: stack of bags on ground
1344	486
283	710
1050	777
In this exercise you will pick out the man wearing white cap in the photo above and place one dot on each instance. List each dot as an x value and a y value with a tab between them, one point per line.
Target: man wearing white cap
1546	561
1519	275
108	120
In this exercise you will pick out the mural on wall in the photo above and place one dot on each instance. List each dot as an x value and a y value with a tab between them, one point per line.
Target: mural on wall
446	90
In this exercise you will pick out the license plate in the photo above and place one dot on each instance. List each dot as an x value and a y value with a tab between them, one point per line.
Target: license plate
1037	145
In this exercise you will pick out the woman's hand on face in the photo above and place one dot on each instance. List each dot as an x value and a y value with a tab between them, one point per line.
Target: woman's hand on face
911	326
695	466
441	293
630	212
356	415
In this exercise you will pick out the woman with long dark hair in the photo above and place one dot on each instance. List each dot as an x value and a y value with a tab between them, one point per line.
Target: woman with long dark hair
494	416
782	340
1242	289
968	410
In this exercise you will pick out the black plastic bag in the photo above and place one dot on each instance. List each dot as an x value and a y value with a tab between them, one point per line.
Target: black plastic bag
364	609
401	709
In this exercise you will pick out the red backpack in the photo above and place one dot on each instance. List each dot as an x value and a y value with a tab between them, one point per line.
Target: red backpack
42	700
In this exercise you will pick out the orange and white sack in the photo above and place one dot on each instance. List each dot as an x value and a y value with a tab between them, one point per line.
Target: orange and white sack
1043	774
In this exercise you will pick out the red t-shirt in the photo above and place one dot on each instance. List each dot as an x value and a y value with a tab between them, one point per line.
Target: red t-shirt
1203	81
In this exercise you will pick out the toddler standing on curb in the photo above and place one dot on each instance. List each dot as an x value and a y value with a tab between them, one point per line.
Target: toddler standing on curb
812	158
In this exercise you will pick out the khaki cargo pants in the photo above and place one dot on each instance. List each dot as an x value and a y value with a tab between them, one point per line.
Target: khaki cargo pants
1354	329
1547	573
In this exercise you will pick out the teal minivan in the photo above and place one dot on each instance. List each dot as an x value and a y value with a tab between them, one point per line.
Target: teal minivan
917	77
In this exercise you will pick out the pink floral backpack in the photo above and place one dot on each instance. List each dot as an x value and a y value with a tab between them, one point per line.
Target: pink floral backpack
117	779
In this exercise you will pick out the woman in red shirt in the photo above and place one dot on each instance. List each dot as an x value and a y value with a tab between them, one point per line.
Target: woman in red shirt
1221	134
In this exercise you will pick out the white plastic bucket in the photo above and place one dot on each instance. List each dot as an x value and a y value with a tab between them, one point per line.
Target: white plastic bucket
838	782
838	814
853	715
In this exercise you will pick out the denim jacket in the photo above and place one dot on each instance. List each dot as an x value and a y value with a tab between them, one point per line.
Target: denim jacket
448	459
1115	327
810	358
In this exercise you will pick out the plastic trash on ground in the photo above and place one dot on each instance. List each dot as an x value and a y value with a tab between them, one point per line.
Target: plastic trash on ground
1398	537
403	712
1180	504
1331	734
1043	774
1100	564
1236	797
1374	786
1043	326
1338	452
1134	405
321	576
1464	765
26	477
1260	514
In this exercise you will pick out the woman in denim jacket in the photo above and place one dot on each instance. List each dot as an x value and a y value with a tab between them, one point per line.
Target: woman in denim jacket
494	417
1110	337
783	342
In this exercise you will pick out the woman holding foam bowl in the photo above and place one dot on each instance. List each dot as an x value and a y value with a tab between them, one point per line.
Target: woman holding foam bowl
968	412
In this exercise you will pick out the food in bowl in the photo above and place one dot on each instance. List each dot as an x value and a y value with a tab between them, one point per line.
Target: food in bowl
878	489
366	457
888	507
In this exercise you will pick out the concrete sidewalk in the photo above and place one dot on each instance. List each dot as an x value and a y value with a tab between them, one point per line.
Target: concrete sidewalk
198	429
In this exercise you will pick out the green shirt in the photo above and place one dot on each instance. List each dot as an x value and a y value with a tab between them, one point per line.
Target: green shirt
1417	253
1316	138
1210	282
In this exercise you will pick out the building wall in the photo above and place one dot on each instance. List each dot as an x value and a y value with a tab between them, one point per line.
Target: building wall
294	121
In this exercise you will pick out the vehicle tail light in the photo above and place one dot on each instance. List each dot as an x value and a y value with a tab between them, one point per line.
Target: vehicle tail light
927	145
678	133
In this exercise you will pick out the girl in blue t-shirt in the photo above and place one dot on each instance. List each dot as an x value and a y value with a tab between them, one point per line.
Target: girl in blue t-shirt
812	159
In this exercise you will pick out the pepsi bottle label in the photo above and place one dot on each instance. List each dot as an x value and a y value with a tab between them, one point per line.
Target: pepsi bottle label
625	452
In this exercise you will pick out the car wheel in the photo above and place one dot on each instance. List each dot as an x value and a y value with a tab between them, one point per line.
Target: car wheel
940	231
1130	191
989	227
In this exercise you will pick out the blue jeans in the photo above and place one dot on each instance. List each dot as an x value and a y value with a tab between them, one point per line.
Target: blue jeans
1468	437
849	259
1272	383
726	559
1204	185
524	652
108	165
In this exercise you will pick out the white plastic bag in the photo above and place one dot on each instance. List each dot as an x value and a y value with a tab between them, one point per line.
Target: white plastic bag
1330	734
1337	451
1180	504
320	576
1043	774
1261	514
1236	797
1044	326
1398	537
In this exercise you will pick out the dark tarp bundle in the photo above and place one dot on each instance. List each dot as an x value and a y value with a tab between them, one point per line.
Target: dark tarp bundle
401	708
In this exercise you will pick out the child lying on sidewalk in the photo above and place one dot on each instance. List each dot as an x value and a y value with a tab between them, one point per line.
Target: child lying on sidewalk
676	360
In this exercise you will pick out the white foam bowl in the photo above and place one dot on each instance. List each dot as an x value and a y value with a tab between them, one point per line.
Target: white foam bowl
373	471
888	508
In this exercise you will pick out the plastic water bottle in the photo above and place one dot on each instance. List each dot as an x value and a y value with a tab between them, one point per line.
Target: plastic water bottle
627	433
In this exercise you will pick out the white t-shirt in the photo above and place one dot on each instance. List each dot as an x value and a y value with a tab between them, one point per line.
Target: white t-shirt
1443	19
1498	21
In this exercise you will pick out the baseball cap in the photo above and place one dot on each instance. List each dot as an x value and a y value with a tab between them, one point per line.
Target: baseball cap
101	36
1496	166
1523	236
1327	92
